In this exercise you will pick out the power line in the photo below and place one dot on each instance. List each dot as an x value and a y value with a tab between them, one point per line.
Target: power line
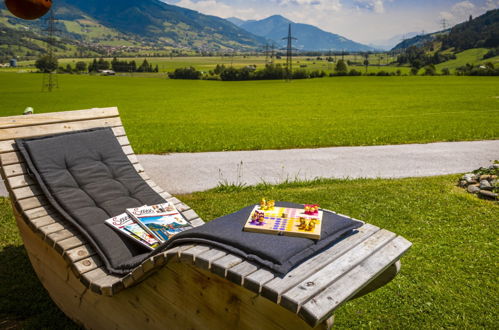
289	54
50	80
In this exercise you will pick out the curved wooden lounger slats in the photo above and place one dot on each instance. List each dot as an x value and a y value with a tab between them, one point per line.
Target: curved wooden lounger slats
191	286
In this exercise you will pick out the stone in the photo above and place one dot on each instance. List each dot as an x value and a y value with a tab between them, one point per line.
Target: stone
488	194
484	184
469	177
493	183
495	165
473	189
484	177
463	183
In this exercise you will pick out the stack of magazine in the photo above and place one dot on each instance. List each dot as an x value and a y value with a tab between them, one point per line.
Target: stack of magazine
150	225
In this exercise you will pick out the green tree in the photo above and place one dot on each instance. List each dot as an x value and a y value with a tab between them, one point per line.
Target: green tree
414	71
80	66
445	71
341	68
430	70
46	64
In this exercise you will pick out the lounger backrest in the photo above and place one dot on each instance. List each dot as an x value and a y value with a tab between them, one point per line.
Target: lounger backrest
29	202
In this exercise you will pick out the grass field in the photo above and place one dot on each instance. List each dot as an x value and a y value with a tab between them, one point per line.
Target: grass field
448	278
167	64
163	115
471	56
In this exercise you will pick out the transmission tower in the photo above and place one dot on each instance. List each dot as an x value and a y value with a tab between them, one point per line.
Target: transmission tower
289	54
444	23
50	80
272	54
266	53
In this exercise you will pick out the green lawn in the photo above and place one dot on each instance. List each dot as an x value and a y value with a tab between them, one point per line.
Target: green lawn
163	115
448	278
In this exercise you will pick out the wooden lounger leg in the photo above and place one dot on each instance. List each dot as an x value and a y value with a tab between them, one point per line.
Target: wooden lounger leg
384	278
327	324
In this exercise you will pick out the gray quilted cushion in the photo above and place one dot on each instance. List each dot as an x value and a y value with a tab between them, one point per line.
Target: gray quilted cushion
87	177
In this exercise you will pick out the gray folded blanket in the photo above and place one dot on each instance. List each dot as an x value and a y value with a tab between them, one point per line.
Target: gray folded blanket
87	178
278	253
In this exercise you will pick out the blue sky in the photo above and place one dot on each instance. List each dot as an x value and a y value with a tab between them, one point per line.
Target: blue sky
367	21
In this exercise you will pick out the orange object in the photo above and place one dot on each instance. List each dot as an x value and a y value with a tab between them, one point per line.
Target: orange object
28	9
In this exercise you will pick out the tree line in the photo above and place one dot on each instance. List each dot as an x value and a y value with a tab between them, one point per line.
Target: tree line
50	64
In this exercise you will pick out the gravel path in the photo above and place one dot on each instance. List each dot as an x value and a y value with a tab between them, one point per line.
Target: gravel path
190	172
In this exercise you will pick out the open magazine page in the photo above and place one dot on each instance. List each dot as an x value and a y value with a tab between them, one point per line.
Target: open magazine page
161	220
125	225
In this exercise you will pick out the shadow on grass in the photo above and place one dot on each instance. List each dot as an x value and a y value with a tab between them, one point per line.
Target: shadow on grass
24	303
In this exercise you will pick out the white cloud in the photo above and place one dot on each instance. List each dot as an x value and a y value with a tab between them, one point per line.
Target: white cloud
463	8
216	8
491	4
377	6
461	11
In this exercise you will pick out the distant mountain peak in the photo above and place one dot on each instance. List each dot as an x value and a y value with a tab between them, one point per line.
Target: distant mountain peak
309	37
278	18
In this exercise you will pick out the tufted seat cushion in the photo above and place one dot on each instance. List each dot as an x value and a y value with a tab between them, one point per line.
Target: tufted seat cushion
88	178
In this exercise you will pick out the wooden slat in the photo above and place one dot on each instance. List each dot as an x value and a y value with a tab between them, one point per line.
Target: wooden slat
27	131
38	212
196	222
190	255
53	238
123	140
10	158
26	192
43	221
174	200
119	131
84	266
57	117
221	265
15	169
128	150
100	282
164	194
256	280
69	243
20	181
181	207
32	203
321	279
321	306
79	253
190	214
237	273
7	146
276	287
52	228
205	259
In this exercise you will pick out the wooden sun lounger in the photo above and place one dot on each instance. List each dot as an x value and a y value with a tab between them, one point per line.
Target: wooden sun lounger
191	286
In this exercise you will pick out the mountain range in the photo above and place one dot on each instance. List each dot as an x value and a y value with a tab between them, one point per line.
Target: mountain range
308	37
129	22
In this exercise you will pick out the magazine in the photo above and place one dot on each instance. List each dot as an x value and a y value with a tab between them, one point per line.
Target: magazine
125	224
161	220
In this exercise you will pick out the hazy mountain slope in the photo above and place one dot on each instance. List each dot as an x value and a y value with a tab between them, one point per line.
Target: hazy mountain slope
308	37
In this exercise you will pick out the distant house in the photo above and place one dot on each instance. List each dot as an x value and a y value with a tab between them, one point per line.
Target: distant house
107	72
13	63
